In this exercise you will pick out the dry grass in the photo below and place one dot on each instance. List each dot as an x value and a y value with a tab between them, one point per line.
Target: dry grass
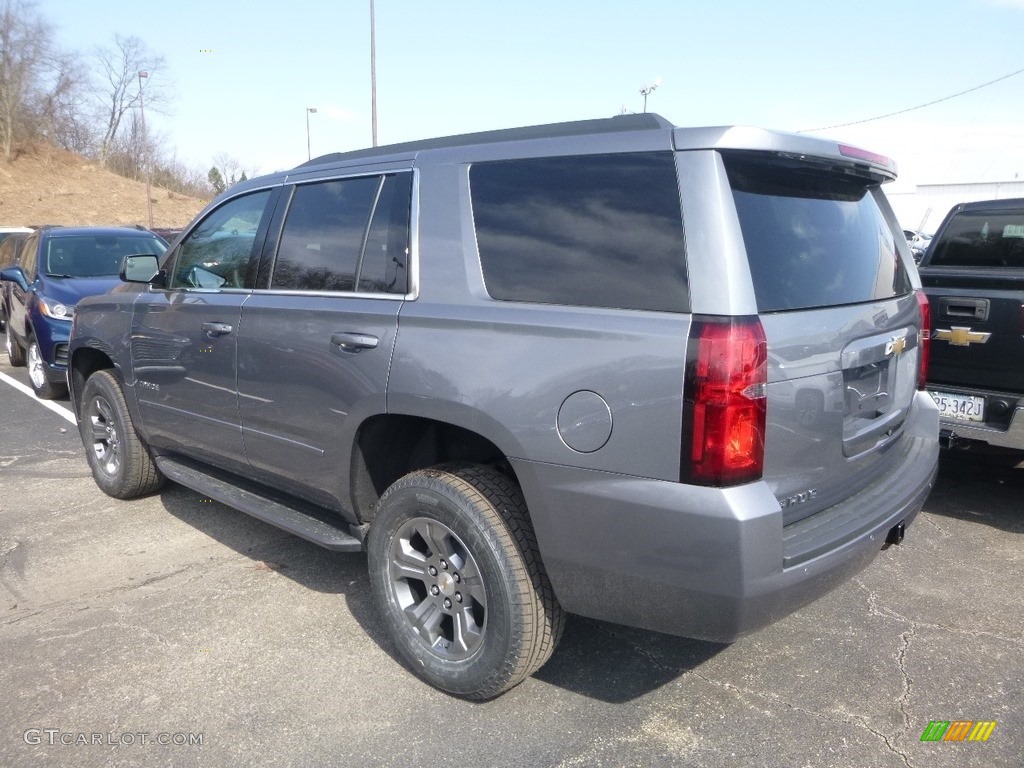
46	185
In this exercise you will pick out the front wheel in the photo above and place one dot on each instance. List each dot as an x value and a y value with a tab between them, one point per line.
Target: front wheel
41	385
14	351
455	571
120	461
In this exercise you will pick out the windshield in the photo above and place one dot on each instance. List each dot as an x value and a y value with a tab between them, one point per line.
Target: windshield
95	255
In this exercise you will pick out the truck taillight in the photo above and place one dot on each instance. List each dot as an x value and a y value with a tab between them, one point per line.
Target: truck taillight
924	339
724	401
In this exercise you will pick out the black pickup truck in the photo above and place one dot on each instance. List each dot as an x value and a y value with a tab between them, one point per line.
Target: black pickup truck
973	274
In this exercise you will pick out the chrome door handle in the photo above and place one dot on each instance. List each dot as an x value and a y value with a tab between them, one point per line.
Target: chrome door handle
216	329
353	342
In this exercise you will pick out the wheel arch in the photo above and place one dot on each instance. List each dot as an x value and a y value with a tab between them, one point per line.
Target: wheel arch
389	446
83	363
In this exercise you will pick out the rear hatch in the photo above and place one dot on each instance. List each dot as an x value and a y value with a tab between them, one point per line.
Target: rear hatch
841	321
974	276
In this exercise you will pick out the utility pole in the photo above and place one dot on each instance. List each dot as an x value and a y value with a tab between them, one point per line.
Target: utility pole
145	151
373	74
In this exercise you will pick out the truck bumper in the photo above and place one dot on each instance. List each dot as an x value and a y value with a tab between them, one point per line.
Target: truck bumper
710	563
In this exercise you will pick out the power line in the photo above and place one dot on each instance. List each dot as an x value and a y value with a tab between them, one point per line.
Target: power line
919	106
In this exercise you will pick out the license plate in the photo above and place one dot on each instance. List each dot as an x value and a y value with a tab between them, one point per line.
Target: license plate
962	407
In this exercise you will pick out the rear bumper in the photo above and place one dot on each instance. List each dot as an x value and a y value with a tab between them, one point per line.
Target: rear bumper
709	563
1010	434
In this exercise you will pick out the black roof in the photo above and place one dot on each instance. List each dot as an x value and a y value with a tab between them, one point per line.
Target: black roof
644	122
1002	204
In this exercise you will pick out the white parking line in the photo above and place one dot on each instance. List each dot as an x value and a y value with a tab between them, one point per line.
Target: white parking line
63	412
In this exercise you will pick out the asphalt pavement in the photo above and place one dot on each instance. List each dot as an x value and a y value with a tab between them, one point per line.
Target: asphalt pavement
174	631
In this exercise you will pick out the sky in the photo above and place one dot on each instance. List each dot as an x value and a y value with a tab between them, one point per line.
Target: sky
242	73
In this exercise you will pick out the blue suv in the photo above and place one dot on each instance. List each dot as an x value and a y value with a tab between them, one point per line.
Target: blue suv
58	267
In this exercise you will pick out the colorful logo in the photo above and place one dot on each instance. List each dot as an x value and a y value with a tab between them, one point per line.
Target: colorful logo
958	730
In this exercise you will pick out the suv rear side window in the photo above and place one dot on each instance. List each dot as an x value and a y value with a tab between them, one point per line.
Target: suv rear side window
594	231
813	238
982	239
346	235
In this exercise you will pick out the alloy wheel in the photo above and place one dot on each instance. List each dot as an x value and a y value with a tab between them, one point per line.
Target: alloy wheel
106	443
438	587
36	369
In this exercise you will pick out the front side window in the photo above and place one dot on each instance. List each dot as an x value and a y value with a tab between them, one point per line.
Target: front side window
29	257
592	231
96	255
348	235
982	239
218	253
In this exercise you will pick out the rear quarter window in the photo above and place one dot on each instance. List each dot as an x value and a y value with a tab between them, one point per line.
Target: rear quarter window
595	231
981	239
814	238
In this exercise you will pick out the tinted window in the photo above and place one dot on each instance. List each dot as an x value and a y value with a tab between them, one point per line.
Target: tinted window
323	235
9	250
29	256
598	231
218	252
813	238
386	255
94	255
982	239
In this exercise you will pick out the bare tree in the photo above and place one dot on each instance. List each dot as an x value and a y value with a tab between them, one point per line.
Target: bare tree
37	82
120	85
229	168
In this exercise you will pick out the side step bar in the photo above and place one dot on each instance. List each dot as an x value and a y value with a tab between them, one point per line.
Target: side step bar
301	523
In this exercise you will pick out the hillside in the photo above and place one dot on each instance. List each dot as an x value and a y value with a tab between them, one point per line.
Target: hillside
46	185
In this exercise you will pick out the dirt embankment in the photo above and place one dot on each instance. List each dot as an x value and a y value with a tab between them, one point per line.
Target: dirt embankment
46	185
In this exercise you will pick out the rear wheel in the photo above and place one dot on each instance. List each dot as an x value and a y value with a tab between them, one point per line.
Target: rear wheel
14	352
120	461
456	573
43	387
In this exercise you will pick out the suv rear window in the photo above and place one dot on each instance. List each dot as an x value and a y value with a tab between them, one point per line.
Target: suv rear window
814	238
981	239
593	231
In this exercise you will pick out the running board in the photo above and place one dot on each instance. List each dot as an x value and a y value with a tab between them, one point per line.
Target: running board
288	518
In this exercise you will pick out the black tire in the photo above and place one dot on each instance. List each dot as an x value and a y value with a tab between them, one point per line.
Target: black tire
14	352
120	461
41	385
431	527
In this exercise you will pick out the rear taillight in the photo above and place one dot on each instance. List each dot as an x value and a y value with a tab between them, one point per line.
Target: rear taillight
924	339
725	396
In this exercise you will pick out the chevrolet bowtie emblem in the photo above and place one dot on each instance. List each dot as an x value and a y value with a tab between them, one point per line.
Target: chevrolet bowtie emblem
959	336
895	345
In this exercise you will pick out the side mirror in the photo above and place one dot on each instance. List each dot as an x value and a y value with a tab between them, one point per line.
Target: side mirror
142	268
15	275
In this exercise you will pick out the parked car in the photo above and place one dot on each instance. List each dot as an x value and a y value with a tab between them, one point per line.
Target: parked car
919	244
58	267
499	364
973	274
10	249
6	232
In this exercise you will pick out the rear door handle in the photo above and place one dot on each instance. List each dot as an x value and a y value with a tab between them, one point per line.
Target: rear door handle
353	342
216	329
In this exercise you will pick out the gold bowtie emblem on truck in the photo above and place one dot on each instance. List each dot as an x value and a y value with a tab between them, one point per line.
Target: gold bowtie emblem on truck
960	336
895	345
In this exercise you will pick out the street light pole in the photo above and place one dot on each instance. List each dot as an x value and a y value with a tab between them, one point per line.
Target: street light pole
647	90
309	151
373	74
145	151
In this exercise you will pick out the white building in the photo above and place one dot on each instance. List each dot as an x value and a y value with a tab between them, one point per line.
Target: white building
923	207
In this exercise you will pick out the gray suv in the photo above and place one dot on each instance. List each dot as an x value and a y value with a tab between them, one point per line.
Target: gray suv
665	377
